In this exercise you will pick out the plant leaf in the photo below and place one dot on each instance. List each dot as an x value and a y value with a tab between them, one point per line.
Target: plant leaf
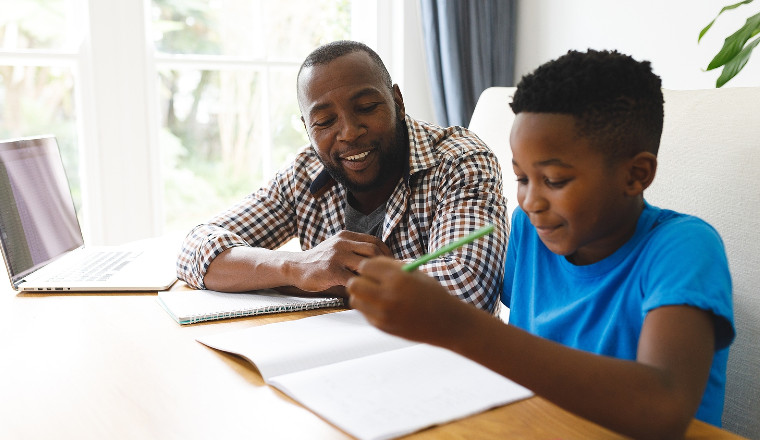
735	42
726	8
736	64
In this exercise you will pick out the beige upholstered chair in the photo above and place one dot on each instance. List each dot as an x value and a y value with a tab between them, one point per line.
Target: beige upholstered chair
709	166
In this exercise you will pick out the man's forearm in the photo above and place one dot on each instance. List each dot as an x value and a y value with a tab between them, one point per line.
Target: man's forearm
243	268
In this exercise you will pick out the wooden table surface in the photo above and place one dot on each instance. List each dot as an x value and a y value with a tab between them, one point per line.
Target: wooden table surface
117	366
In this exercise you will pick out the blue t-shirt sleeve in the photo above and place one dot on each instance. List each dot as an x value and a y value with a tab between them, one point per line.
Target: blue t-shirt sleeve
517	229
689	267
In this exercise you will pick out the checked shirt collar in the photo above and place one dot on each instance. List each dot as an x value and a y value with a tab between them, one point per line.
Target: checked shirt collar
421	157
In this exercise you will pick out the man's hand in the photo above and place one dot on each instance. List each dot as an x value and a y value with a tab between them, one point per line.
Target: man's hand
334	261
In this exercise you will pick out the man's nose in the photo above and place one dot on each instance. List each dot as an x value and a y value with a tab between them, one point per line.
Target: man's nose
351	128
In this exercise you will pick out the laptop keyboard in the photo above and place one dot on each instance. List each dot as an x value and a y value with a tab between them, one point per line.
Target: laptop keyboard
98	266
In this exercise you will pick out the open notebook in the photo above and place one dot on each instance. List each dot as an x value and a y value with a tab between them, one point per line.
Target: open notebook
42	243
370	384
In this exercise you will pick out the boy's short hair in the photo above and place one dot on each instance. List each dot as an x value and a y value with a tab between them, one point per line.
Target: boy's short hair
330	51
616	101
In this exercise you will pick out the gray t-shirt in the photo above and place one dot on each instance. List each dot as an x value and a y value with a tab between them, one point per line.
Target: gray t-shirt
371	224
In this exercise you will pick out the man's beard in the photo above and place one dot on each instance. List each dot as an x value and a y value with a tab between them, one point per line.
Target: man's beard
391	160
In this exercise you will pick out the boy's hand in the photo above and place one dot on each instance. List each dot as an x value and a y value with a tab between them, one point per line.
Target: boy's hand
407	304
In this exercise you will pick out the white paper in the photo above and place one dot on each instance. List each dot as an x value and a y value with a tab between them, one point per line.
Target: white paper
370	384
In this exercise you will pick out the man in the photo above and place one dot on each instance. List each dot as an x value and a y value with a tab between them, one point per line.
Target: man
374	181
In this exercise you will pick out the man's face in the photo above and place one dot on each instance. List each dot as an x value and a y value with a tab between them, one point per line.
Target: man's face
574	198
354	121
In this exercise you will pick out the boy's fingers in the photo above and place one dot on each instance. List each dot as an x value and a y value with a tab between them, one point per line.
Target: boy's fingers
377	268
361	286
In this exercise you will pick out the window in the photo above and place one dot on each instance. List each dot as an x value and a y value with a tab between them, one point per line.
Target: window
38	76
226	74
167	111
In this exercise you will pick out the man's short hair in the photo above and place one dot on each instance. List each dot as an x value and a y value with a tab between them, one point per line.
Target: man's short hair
330	51
616	101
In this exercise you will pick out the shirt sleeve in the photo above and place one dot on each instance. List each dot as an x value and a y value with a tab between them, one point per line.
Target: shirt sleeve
262	219
470	196
511	261
691	269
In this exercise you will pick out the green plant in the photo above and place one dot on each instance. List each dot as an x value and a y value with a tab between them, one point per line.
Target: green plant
735	51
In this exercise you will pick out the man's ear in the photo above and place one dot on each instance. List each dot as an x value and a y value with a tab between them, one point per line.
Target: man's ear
399	100
641	171
303	121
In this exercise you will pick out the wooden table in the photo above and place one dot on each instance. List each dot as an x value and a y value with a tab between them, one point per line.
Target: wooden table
116	366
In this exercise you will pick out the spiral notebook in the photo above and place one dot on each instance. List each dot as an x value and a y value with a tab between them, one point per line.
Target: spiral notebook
191	306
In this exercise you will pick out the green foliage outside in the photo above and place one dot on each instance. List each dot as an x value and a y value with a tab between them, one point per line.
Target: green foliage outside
39	100
227	130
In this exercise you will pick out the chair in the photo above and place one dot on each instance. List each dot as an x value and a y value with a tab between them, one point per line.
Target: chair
709	161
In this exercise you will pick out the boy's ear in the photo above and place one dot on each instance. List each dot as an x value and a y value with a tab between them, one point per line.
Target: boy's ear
641	171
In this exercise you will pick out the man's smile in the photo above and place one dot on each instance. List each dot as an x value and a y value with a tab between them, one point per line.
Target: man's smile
357	157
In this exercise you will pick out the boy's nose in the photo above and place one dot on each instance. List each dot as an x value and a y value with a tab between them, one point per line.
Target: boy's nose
532	200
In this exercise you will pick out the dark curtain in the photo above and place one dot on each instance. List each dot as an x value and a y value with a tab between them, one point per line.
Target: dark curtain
470	47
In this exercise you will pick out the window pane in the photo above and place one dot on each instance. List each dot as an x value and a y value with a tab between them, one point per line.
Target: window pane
263	29
298	28
287	130
226	131
212	140
37	24
40	100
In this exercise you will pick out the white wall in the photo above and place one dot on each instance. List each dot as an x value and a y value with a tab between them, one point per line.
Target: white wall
663	32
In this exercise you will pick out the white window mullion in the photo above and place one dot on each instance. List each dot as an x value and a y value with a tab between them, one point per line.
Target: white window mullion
120	173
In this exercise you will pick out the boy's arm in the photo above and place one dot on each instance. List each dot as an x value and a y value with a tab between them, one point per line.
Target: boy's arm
654	397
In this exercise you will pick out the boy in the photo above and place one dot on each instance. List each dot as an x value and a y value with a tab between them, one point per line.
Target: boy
620	311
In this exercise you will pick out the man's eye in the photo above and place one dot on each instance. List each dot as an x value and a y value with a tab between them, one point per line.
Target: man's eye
323	122
368	108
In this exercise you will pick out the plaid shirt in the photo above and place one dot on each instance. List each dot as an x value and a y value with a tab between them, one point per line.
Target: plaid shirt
453	186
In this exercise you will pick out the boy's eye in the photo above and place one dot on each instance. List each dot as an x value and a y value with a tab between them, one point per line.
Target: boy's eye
556	183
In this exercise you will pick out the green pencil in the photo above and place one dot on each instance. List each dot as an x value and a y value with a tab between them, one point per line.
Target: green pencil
448	248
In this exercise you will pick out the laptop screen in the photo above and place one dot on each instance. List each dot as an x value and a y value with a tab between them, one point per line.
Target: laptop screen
38	222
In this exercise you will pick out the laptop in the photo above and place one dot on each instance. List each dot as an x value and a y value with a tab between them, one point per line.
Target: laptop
42	243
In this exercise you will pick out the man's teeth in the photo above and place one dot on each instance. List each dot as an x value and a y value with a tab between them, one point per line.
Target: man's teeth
359	156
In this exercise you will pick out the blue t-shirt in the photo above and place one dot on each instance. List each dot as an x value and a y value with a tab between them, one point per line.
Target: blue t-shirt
672	259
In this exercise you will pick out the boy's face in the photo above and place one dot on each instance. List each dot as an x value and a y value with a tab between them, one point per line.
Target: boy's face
575	199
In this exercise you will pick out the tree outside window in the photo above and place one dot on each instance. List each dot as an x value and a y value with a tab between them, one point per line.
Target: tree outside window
227	90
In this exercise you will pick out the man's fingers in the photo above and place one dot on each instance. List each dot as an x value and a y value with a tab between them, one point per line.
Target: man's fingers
363	244
370	249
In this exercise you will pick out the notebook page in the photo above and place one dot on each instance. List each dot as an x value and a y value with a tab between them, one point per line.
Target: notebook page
399	392
286	347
